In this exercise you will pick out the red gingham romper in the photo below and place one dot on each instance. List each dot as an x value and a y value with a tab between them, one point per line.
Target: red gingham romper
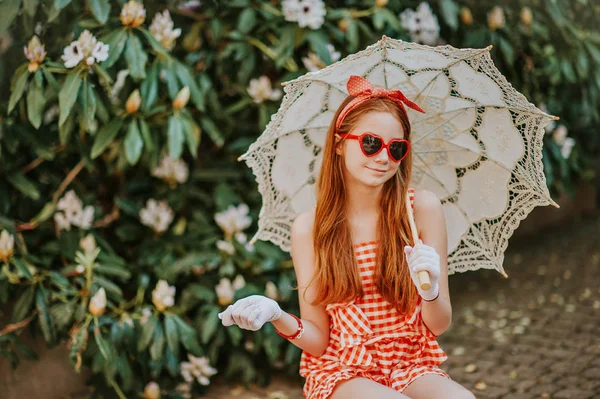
369	338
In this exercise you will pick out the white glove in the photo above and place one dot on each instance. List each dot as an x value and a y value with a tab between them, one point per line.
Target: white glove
423	257
251	313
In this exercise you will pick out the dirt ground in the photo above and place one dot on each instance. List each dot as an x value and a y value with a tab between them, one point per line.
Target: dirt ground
533	335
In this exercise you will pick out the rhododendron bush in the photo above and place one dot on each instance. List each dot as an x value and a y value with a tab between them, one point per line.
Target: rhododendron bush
125	218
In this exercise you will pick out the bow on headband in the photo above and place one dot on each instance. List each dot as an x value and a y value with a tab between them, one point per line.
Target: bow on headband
362	89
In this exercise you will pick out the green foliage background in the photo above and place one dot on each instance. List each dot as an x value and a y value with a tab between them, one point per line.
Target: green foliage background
106	156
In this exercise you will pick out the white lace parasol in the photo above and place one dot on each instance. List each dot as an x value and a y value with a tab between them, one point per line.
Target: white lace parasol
478	147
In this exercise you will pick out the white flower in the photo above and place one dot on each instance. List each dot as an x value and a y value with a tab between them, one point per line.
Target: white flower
88	244
72	55
189	5
51	114
151	391
80	269
156	215
7	244
567	146
172	170
133	14
560	134
73	213
313	62
241	237
422	24
162	29
233	219
197	368
224	292
309	13
119	83
495	18
97	304
238	282
226	246
163	295
146	313
87	48
184	390
260	90
271	291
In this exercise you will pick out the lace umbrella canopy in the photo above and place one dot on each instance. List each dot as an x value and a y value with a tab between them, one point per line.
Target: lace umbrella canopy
478	146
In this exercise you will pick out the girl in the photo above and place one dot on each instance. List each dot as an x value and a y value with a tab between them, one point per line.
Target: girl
367	329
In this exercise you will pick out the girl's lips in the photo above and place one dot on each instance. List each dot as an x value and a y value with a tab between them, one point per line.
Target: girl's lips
377	170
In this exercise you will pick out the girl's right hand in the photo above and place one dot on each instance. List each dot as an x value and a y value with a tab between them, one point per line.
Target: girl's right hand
251	313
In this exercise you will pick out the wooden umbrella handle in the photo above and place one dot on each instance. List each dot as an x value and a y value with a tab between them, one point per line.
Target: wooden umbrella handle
423	276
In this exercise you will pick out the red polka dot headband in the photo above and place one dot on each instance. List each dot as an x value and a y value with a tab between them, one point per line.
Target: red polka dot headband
363	90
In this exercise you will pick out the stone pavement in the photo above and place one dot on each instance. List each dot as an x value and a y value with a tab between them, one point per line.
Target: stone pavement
533	335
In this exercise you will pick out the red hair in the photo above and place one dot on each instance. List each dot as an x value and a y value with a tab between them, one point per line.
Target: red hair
337	276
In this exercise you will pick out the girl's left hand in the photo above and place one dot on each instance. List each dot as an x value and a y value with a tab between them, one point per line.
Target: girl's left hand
423	257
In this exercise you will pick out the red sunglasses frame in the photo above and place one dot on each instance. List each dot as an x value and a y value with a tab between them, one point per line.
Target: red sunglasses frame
383	144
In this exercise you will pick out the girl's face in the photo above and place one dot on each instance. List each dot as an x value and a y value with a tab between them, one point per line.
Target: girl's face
376	170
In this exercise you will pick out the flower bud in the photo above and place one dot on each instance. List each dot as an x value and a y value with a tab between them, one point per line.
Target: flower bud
133	102
133	14
381	3
526	16
35	53
7	243
465	16
152	391
182	98
343	25
88	244
98	303
496	18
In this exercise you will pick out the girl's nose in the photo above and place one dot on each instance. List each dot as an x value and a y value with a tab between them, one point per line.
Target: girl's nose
382	157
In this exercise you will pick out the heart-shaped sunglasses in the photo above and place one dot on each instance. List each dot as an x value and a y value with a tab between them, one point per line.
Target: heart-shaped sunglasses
372	144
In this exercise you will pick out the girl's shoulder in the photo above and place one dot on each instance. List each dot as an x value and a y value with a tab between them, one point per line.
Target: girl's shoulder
425	200
303	223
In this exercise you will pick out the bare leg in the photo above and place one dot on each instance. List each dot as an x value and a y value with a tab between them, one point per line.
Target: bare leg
360	388
432	386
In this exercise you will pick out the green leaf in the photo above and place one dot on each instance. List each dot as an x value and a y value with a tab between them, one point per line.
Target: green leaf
22	268
111	288
319	41
113	270
24	185
45	214
36	100
105	136
187	79
352	36
60	4
507	50
102	345
116	41
64	131
62	314
100	9
175	136
146	135
210	325
147	333
136	57
158	343
23	305
567	70
133	143
8	11
87	101
172	335
450	11
247	20
68	95
156	45
46	324
189	129
188	338
149	88
30	6
17	86
213	132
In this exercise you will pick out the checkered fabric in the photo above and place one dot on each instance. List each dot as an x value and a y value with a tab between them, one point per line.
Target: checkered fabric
370	338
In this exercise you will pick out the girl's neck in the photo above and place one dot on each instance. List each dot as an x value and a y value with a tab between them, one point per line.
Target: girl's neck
363	201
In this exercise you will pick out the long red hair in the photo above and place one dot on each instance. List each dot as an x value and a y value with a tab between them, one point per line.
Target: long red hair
337	275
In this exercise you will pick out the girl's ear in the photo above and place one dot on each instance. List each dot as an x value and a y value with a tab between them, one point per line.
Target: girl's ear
338	144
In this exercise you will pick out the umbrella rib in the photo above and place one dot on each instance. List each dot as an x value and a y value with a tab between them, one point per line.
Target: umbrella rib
430	174
437	127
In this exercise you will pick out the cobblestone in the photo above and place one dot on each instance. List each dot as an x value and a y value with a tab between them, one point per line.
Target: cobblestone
531	336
